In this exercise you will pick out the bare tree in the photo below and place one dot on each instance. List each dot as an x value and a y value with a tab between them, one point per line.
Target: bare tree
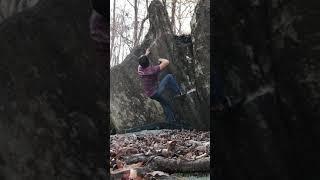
118	54
113	28
142	22
173	15
129	23
179	15
135	24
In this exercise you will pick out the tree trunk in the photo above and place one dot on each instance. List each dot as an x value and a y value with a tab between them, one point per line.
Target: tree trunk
173	14
118	57
179	18
173	166
142	23
113	34
135	23
160	163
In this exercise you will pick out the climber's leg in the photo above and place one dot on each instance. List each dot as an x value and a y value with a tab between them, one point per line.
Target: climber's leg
167	108
170	82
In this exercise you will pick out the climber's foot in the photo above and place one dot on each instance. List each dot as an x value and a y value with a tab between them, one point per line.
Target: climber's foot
233	103
180	94
183	93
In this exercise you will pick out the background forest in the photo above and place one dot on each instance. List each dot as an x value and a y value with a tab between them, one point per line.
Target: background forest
129	23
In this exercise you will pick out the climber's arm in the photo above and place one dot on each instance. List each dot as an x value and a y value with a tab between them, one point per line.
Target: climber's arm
163	63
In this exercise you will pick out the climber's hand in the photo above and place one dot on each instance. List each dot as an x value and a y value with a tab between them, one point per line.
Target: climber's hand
163	63
147	52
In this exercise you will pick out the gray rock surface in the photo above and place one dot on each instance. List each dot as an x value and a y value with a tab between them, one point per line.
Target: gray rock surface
268	51
189	64
50	124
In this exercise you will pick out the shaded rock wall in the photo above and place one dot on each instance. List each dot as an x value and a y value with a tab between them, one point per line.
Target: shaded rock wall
128	105
268	51
51	126
11	7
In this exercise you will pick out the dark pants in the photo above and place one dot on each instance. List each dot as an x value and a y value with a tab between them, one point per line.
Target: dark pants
167	82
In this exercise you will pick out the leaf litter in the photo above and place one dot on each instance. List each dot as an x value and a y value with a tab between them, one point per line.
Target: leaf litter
131	153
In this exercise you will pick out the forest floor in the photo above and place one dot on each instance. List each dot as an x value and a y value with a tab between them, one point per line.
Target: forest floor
160	154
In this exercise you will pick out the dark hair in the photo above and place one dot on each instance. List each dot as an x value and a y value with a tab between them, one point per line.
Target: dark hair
143	61
100	6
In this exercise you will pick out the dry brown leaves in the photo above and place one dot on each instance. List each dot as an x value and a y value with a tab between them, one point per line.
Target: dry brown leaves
172	144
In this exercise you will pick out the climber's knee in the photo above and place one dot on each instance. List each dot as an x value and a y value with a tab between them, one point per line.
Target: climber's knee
170	76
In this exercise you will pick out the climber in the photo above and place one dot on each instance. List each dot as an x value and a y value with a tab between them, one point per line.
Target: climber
221	102
149	76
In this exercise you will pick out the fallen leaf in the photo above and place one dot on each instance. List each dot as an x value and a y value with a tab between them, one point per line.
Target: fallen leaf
133	174
189	155
165	152
120	164
171	145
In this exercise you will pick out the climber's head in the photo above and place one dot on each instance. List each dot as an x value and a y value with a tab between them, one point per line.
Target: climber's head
100	6
143	61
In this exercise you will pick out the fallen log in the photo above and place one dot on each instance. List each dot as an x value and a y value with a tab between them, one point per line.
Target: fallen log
170	165
140	173
135	158
119	174
198	143
182	166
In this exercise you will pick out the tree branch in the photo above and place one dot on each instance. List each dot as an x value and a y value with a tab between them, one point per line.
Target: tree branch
130	3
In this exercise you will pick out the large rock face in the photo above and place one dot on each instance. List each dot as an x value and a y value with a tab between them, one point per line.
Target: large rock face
50	124
11	7
189	59
269	51
200	33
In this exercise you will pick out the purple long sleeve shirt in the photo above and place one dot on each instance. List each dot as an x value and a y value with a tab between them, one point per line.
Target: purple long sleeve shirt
149	77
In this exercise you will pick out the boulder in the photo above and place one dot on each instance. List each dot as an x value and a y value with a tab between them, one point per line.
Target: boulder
52	126
189	59
268	52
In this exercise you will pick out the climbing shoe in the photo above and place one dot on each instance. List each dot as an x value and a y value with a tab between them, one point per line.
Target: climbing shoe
183	93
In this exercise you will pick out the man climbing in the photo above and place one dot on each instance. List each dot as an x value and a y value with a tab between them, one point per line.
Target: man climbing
149	76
